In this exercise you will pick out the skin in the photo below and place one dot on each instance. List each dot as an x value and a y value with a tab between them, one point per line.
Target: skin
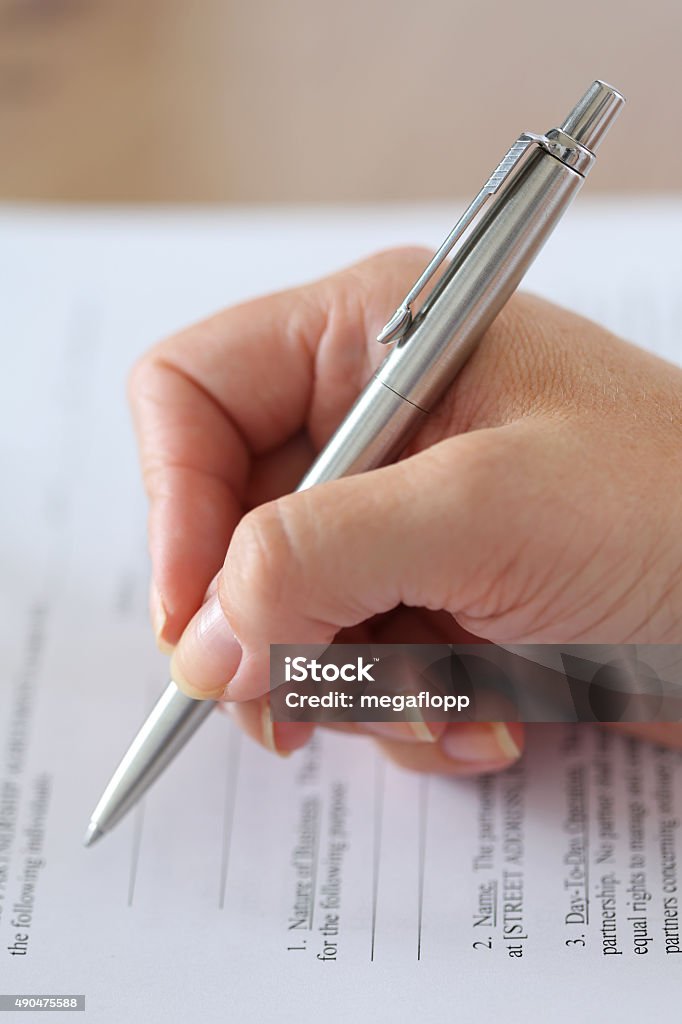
540	502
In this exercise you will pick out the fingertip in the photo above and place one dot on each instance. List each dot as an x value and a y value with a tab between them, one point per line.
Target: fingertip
511	737
478	743
166	625
418	731
165	647
667	734
207	654
463	749
288	737
255	718
158	615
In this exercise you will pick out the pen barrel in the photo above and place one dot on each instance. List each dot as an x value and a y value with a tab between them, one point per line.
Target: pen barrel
479	281
173	719
372	434
470	294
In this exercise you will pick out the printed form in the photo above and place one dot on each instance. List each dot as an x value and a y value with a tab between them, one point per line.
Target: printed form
329	884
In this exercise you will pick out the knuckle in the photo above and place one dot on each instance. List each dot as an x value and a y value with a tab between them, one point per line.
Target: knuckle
143	376
402	258
144	373
473	466
138	379
259	558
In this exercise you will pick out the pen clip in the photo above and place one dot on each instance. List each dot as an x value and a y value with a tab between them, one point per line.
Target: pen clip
402	319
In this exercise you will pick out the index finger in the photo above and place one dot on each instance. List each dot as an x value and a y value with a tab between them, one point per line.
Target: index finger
237	386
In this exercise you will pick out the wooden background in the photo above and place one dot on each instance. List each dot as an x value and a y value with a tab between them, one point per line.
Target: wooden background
206	100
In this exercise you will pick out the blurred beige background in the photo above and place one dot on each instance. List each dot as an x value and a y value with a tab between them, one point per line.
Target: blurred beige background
203	100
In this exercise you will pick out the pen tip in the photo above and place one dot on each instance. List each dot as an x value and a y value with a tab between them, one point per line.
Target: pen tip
92	835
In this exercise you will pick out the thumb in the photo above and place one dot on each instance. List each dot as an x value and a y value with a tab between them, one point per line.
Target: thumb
303	567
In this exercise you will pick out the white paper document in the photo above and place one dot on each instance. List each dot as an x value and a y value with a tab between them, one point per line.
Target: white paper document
330	885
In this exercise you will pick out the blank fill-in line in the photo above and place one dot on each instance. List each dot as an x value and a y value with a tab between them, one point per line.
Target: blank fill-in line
233	761
423	811
379	785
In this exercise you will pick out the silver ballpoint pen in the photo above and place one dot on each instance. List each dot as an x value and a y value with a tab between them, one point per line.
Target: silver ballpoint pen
532	188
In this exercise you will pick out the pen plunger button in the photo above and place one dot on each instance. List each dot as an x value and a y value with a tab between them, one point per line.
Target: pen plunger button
593	115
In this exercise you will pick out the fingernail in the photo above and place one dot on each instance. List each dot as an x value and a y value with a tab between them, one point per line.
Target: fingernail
208	653
421	731
159	618
212	588
268	730
480	742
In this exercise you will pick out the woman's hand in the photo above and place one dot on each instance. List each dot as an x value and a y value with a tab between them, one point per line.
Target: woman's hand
540	502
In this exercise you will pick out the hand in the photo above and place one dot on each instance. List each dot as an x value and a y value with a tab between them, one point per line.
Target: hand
539	503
